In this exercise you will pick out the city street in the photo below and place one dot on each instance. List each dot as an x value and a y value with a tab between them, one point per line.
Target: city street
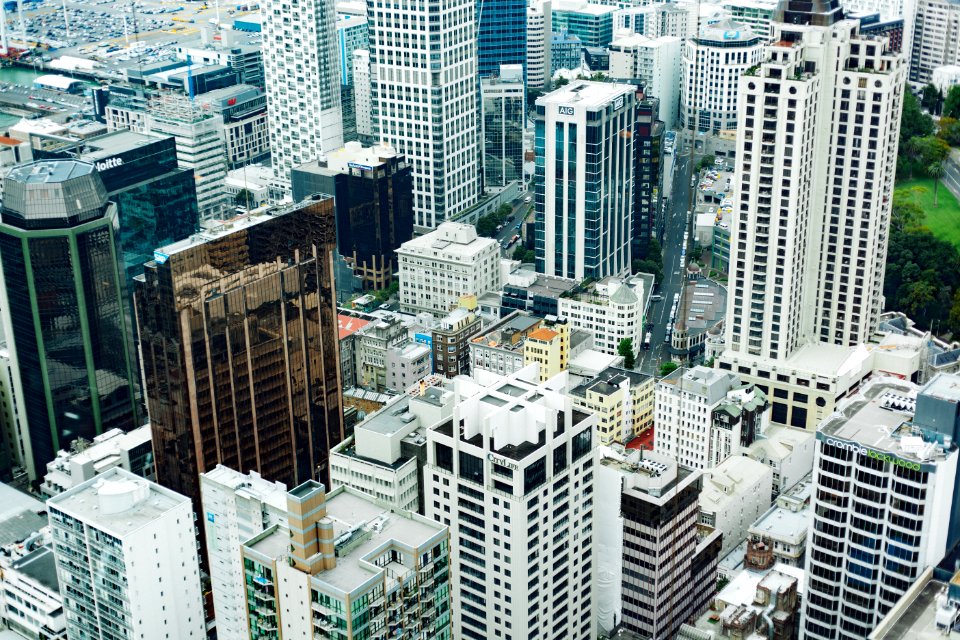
674	226
510	228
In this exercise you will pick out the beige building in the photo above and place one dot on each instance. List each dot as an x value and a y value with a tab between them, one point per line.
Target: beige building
622	401
549	346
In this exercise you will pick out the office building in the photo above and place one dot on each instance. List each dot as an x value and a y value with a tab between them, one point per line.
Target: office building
788	452
539	38
451	342
131	451
713	62
65	316
352	36
655	62
373	342
576	236
621	399
232	50
235	507
438	268
526	290
592	23
127	560
935	42
566	51
927	612
363	96
705	415
656	568
550	347
523	553
373	195
806	285
238	333
407	365
503	100
243	109
343	565
501	35
648	220
30	602
425	102
302	82
156	198
883	503
657	19
501	347
756	14
735	494
612	309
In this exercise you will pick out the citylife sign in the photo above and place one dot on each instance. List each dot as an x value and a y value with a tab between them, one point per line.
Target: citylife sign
870	453
109	163
503	462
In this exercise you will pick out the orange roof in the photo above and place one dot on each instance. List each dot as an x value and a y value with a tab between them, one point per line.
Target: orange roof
543	334
349	325
10	141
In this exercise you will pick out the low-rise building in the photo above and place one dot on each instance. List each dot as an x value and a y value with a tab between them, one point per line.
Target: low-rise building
549	347
131	450
373	340
347	327
406	365
451	342
537	293
343	561
30	601
788	452
780	535
622	401
734	495
499	349
613	309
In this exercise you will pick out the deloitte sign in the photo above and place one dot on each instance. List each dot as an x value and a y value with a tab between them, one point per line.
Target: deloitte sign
870	453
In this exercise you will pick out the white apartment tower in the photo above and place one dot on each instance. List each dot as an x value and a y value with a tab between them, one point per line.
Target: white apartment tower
511	473
539	35
656	63
583	183
236	507
423	69
302	80
936	39
363	94
127	562
816	157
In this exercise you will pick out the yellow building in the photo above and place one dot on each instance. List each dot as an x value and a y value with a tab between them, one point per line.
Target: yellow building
622	401
550	347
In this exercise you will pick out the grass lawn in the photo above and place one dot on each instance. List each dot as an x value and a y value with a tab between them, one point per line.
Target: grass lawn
944	220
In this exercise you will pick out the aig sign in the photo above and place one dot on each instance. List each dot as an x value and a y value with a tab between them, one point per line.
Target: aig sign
565	111
618	103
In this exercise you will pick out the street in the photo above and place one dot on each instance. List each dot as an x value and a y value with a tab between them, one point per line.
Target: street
510	228
675	224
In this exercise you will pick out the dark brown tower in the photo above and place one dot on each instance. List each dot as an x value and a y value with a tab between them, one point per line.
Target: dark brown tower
238	329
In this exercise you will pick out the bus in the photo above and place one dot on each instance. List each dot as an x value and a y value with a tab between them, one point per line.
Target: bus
646	341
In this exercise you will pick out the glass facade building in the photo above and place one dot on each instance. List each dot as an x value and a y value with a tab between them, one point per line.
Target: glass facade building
502	36
503	106
238	334
66	298
648	160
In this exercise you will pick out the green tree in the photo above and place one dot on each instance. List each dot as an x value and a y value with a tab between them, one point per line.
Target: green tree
930	98
914	123
951	104
524	255
936	172
244	198
906	213
949	131
560	82
648	266
706	162
931	150
919	296
625	349
954	317
667	368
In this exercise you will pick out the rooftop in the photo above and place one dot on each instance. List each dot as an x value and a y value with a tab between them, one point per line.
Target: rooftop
113	143
609	380
585	93
249	485
20	515
452	241
577	6
781	523
729	31
726	482
543	334
537	284
923	613
510	332
348	325
39	565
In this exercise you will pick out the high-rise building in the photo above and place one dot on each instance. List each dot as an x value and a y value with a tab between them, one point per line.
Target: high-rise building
885	478
425	99
238	332
816	151
510	471
657	19
501	35
648	220
935	42
584	146
131	451
592	23
656	568
504	101
373	195
236	507
342	565
438	268
713	62
127	560
302	81
655	62
65	312
756	14
539	37
363	96
246	133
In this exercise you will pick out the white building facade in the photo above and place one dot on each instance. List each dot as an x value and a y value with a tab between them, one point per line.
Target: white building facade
539	38
423	67
127	560
363	94
612	310
735	494
302	81
656	63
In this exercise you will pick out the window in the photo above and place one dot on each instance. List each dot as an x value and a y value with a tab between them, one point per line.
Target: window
471	467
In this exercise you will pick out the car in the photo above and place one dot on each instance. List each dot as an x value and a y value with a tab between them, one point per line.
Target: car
528	199
519	224
656	297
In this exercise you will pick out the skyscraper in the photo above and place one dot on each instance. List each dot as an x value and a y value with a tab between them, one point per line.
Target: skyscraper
238	333
423	69
302	78
647	181
66	305
539	41
504	101
817	132
583	183
501	36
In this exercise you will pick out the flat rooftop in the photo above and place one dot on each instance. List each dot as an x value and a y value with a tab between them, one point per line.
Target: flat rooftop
114	143
915	618
783	523
585	93
40	566
249	485
19	515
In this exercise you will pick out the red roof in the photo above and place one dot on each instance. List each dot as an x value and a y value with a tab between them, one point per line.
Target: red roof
349	325
10	141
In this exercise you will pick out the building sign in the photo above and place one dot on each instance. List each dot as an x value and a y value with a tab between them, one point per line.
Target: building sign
565	111
109	163
357	165
858	448
618	103
503	462
159	257
731	35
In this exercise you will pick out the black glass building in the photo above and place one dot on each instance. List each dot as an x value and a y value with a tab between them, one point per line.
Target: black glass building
648	160
66	298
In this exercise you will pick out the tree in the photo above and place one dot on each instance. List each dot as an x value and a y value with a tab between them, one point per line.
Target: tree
954	318
949	131
524	255
667	368
625	349
936	172
914	122
244	198
648	266
951	104
931	150
930	98
906	213
706	162
559	82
